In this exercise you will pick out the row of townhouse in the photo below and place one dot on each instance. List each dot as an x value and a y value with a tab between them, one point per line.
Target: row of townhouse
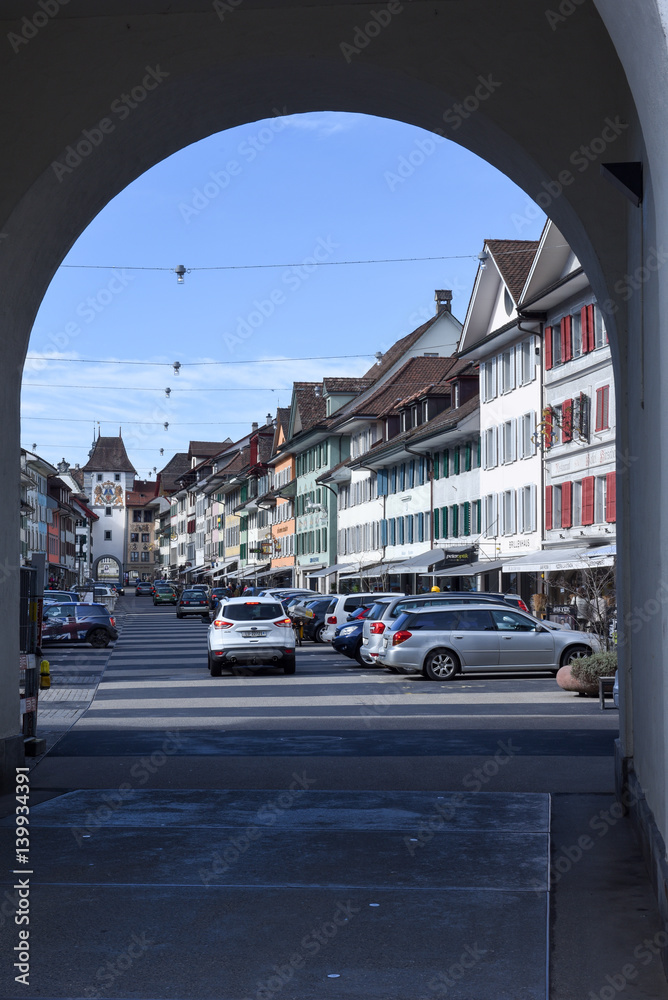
479	454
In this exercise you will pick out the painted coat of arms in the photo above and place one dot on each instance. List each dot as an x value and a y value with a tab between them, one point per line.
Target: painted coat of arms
108	495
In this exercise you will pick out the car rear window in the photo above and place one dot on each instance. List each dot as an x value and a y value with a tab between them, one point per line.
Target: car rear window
351	603
475	620
251	612
192	595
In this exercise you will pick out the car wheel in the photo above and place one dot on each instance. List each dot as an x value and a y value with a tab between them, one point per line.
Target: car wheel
319	632
441	665
574	653
98	638
178	615
215	667
289	665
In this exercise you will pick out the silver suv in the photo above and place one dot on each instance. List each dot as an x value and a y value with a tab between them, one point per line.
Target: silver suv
250	631
383	614
441	642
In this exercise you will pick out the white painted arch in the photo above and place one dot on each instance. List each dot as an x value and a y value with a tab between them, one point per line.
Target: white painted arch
553	85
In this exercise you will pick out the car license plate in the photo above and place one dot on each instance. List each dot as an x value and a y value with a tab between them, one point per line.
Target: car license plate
253	635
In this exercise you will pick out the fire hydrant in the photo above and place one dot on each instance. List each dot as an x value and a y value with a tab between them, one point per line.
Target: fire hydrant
44	675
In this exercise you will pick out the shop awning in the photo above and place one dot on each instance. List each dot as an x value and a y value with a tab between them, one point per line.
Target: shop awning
419	563
468	569
222	569
561	560
373	569
195	569
248	572
329	571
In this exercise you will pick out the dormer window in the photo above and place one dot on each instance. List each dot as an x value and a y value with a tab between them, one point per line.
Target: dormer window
455	395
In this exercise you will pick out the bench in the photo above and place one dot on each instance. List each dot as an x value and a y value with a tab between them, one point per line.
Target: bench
605	686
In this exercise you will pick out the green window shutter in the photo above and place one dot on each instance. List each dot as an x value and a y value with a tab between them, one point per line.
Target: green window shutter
455	521
444	521
437	533
467	457
456	460
436	463
446	463
467	518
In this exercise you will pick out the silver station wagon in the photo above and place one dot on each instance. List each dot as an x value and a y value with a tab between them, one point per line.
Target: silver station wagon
443	643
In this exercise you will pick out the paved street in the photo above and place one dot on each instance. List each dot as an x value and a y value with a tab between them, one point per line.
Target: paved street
343	832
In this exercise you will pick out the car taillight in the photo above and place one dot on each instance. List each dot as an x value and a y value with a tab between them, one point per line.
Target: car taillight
401	636
331	620
377	628
185	602
112	621
522	606
284	622
221	623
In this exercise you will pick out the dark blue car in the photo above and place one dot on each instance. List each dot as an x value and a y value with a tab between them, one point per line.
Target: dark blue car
348	637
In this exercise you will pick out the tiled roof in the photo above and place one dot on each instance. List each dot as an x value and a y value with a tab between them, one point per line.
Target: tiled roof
265	448
78	477
137	498
394	353
415	376
513	259
312	408
148	486
109	455
175	468
205	449
336	384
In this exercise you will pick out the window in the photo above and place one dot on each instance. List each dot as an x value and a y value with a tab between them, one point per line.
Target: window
556	345
508	512
526	508
556	506
107	536
600	499
146	557
145	536
576	334
576	504
526	435
134	557
454	510
600	334
134	536
602	407
490	517
99	477
107	511
466	518
508	437
567	420
149	516
526	362
508	370
136	515
117	477
489	380
611	497
489	448
512	621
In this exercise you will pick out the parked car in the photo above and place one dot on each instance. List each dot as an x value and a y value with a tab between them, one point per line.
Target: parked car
442	642
340	607
117	589
53	596
386	610
193	602
314	621
348	637
218	594
143	588
75	622
164	594
250	632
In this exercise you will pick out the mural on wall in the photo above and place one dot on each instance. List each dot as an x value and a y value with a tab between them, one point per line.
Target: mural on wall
108	495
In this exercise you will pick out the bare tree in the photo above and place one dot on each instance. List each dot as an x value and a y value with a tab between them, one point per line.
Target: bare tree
592	605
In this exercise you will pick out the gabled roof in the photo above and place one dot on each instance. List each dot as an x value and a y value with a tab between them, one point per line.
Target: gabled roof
138	498
414	377
393	354
338	384
109	455
513	259
205	449
307	408
175	468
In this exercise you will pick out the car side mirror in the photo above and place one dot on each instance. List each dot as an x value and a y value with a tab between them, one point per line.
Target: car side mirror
541	628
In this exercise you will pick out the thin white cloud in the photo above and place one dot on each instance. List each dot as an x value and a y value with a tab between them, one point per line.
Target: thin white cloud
324	124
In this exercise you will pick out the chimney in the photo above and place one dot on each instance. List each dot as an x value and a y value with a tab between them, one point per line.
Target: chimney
270	419
254	427
443	298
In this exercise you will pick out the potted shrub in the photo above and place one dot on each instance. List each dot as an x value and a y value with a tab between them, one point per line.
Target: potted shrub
583	675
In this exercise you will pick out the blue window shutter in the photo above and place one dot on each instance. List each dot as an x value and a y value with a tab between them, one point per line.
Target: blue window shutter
411	474
383	531
400	531
409	527
421	471
393	479
402	476
393	531
420	529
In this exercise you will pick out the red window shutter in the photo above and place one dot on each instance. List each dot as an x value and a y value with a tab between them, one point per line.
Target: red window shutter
547	418
605	406
611	497
602	404
567	420
591	335
566	341
588	500
566	505
548	347
548	508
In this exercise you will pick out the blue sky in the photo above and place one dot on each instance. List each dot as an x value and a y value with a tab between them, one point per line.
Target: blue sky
335	186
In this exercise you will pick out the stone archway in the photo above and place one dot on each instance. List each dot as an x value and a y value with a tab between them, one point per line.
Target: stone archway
100	566
544	95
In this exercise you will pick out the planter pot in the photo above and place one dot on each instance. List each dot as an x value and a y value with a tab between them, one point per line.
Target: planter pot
567	682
